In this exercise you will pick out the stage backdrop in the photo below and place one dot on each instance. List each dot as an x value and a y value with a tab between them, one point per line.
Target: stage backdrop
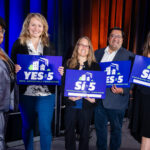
70	19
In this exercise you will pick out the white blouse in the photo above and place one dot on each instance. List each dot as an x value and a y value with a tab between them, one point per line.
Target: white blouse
108	56
36	90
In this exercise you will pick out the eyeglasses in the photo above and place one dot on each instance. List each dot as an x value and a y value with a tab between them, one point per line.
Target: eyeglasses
82	45
115	36
2	31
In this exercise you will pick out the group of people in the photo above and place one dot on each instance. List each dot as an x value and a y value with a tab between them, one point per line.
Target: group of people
40	99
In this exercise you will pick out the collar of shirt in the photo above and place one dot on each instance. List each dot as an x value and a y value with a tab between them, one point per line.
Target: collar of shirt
108	56
32	50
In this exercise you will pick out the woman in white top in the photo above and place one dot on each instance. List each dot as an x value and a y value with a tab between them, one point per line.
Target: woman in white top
35	99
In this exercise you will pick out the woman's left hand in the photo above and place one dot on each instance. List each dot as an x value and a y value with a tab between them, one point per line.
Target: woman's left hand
74	98
61	70
91	100
17	68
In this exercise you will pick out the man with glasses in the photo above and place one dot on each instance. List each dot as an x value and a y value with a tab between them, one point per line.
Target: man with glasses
113	107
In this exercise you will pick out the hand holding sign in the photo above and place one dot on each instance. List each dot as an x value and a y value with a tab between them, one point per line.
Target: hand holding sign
17	68
141	71
117	90
87	84
61	70
74	98
38	70
117	73
91	100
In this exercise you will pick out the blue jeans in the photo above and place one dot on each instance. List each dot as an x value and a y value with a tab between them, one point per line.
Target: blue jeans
115	117
44	107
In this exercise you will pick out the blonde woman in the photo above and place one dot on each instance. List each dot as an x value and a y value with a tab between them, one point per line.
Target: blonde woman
35	99
79	110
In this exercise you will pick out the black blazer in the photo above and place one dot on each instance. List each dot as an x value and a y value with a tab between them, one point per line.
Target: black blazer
23	49
86	104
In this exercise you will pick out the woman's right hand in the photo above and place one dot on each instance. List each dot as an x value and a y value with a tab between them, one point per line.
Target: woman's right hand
17	68
74	98
61	70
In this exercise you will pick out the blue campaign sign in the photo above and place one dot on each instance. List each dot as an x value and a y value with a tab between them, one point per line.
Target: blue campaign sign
85	83
39	70
118	73
141	71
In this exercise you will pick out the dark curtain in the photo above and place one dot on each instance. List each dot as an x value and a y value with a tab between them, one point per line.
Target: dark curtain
131	15
70	19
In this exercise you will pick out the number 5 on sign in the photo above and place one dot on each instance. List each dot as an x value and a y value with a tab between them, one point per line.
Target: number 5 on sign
85	83
82	86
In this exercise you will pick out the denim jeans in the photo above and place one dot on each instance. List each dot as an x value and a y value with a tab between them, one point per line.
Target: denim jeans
115	117
2	131
44	107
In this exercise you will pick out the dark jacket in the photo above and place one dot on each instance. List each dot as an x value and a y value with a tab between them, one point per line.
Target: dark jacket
141	94
23	49
116	101
7	100
86	104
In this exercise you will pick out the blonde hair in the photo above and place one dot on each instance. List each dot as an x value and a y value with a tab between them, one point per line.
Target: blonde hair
73	61
146	48
25	35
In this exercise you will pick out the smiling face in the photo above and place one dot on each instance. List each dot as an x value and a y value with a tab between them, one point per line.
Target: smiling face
115	40
83	48
1	34
35	28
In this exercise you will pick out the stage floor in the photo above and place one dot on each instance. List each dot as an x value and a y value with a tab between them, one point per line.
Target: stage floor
128	143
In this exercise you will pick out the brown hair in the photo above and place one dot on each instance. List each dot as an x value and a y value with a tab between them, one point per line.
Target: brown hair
2	56
73	61
25	35
146	47
2	23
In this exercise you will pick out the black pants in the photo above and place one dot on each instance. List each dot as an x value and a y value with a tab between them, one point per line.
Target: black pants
79	117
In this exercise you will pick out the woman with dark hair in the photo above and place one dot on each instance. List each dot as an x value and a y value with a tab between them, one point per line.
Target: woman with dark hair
79	110
6	86
140	120
35	99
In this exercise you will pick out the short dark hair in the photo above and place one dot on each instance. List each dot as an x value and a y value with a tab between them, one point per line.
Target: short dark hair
116	28
2	23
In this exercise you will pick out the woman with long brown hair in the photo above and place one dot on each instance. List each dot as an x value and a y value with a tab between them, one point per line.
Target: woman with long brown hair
143	94
140	118
79	110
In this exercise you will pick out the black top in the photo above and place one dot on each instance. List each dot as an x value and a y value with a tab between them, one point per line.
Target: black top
86	104
23	49
144	89
140	112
